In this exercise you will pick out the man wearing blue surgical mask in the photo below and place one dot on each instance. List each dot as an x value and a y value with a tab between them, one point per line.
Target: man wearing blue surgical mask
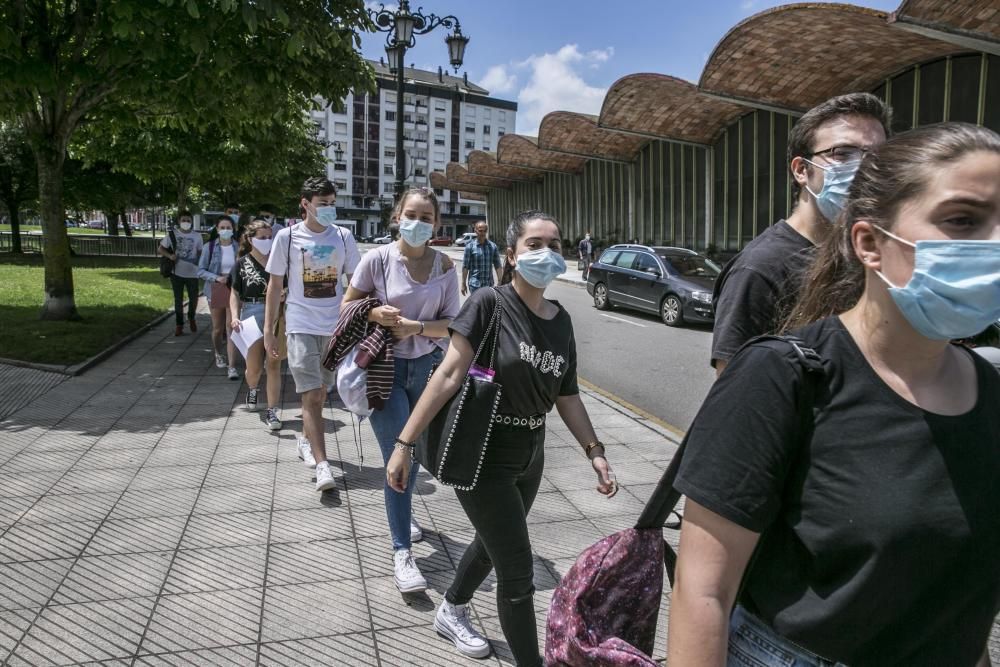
757	287
314	256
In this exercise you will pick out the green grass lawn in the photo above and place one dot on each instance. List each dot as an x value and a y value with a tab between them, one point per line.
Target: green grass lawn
115	296
77	230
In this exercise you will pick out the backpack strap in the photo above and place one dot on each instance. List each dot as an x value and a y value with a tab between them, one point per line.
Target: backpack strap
661	504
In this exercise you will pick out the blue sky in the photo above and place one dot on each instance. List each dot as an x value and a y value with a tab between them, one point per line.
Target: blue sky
559	54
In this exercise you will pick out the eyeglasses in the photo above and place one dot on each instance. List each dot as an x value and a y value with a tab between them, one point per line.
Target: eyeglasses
842	153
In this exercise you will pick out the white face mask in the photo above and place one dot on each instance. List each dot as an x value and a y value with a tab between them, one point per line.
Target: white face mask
185	226
263	246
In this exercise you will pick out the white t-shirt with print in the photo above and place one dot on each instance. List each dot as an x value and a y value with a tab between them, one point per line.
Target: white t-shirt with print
316	270
188	252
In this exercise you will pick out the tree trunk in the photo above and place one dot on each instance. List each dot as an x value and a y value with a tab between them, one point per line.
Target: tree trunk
15	228
121	215
59	302
112	223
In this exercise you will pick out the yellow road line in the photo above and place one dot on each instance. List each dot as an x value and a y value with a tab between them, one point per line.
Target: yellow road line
629	406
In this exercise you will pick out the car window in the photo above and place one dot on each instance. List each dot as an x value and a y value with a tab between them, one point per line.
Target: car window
625	259
645	261
608	257
693	265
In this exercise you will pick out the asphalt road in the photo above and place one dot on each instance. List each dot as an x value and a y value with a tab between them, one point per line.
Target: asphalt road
636	358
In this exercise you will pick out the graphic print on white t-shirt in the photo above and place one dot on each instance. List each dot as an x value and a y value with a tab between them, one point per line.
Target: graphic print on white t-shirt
319	271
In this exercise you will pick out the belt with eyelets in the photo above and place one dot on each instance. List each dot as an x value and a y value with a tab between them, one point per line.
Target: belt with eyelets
254	300
530	423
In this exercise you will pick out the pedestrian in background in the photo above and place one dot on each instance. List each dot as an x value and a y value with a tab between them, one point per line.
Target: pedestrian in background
756	289
249	291
873	525
586	253
317	256
269	213
536	364
217	261
418	287
185	276
480	261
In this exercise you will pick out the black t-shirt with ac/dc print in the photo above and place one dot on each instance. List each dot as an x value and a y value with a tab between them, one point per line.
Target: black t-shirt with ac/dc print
535	358
880	534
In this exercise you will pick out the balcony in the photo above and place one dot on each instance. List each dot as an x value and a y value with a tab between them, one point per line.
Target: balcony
421	143
409	108
408	142
409	126
420	162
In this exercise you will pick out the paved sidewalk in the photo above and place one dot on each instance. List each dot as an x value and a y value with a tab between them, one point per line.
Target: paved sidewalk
147	519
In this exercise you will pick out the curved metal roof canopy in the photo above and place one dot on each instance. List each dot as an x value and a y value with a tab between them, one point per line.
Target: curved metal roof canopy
521	151
578	134
973	24
482	163
767	62
665	107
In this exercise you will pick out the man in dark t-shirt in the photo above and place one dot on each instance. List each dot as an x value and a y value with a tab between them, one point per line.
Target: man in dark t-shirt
758	287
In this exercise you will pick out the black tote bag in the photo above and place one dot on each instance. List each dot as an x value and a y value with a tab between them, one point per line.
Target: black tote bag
454	445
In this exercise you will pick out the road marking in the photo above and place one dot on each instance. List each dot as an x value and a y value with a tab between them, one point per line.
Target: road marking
622	319
634	408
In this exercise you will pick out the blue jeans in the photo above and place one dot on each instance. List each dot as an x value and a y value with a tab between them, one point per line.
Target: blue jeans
752	643
407	386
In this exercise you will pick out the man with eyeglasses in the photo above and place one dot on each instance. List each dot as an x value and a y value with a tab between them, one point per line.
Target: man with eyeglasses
757	287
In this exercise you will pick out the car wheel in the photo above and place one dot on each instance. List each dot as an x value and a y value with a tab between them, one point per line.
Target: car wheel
671	311
601	300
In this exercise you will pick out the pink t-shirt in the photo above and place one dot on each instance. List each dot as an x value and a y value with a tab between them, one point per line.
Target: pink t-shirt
437	299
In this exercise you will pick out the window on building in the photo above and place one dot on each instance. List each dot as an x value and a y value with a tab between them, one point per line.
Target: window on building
486	148
388	187
388	170
439	140
501	131
440	105
390	134
389	152
502	115
463	210
340	184
470	144
340	166
440	123
390	115
486	129
470	111
390	97
340	128
439	156
487	113
470	128
439	192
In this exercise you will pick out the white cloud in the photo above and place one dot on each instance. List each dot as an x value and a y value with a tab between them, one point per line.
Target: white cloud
498	80
748	5
556	83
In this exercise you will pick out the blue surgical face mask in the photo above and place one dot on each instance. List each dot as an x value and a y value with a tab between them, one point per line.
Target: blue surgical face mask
326	215
415	233
954	291
540	267
832	197
225	234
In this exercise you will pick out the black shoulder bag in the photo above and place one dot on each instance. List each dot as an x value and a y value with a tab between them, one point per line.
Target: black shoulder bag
167	264
665	497
454	445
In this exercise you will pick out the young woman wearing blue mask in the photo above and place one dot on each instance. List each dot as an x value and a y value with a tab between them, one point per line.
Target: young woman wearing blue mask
418	287
536	363
868	534
218	258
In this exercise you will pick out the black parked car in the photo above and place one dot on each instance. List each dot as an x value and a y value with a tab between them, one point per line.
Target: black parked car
675	283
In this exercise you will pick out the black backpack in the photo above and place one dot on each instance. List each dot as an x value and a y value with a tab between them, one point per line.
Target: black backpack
167	264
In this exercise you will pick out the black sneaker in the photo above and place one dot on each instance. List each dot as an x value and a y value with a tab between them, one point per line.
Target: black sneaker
252	400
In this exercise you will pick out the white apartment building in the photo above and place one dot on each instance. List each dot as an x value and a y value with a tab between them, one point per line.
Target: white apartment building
444	119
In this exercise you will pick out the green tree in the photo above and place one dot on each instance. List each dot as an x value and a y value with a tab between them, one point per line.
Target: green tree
66	62
98	186
18	180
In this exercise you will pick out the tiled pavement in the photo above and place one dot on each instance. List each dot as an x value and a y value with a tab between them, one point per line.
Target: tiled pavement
147	519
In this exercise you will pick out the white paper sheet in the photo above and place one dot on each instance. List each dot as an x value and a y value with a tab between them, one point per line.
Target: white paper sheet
248	334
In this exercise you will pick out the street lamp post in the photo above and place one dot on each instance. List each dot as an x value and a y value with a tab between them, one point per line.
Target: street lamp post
402	27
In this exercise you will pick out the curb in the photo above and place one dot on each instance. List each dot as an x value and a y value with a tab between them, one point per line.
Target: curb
85	365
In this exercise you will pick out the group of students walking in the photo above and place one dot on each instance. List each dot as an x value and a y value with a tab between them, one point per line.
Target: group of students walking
847	518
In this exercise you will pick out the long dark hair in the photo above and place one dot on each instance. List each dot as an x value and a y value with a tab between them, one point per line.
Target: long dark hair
515	230
889	176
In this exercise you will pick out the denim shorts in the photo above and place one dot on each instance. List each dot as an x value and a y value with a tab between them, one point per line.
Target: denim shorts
256	310
752	643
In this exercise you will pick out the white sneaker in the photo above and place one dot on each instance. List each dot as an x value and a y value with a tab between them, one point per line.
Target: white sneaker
407	574
220	362
324	477
305	453
416	534
233	374
452	622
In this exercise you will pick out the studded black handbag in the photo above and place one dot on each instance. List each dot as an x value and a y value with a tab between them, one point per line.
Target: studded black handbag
454	445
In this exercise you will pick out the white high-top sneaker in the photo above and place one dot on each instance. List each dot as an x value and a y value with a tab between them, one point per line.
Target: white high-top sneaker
452	622
407	574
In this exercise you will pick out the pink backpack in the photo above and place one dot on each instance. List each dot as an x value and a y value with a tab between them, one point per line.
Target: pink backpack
604	611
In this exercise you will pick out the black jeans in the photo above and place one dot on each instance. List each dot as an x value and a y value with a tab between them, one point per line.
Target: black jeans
192	293
498	509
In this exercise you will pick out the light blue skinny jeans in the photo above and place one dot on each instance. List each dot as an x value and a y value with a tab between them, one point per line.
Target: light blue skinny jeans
407	386
752	643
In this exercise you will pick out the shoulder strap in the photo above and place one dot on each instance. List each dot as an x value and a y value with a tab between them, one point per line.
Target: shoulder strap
492	330
661	504
384	257
173	241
